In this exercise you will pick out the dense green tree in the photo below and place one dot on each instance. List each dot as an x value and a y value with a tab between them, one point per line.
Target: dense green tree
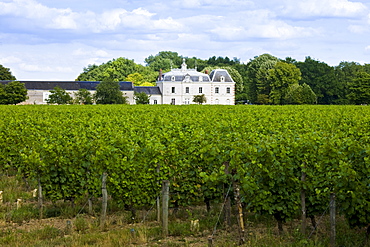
3	95
118	69
84	97
135	78
141	98
279	78
200	99
59	96
108	92
257	70
5	74
12	93
359	89
321	78
164	60
300	94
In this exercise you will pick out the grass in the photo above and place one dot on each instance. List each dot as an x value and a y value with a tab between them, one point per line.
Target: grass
64	225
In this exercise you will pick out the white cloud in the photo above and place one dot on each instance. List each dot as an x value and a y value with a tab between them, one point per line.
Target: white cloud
358	29
213	3
116	19
258	24
10	60
323	8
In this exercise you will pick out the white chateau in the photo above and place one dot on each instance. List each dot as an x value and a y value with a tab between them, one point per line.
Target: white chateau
179	86
176	87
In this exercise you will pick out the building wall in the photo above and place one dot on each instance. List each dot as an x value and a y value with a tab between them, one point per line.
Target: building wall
182	97
39	97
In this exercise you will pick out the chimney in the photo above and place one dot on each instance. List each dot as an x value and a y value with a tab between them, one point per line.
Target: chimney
160	75
207	71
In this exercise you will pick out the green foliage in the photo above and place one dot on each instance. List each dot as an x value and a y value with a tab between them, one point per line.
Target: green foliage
200	99
359	89
12	93
69	148
257	71
322	80
300	95
164	60
280	77
108	92
59	96
136	78
117	69
84	97
5	74
141	98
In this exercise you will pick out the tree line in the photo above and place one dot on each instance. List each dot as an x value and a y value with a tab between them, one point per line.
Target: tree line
265	79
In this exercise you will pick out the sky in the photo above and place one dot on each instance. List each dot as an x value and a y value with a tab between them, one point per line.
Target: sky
57	39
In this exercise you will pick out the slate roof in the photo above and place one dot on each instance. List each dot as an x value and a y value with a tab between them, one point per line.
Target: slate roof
69	85
147	90
217	73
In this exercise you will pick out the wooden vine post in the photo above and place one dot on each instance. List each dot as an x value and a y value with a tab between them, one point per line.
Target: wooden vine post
240	209
227	208
104	200
303	205
332	220
158	199
40	199
165	200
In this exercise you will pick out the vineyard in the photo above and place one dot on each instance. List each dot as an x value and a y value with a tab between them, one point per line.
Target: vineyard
276	154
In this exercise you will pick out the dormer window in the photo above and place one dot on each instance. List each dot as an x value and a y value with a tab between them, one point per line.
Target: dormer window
200	78
222	78
172	78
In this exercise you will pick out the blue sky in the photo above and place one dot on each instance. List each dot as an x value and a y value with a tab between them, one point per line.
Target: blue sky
56	39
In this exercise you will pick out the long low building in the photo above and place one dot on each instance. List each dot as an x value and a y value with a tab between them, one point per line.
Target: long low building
177	87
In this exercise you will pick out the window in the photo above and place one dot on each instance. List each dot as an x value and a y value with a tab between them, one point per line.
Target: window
173	90
222	78
228	102
217	90
173	102
200	78
217	102
187	90
155	102
200	90
187	101
172	78
227	90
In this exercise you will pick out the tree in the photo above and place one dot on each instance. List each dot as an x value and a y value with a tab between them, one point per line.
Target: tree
258	86
321	78
118	69
200	99
59	96
279	78
164	60
141	98
83	96
359	89
108	92
12	93
300	94
5	74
